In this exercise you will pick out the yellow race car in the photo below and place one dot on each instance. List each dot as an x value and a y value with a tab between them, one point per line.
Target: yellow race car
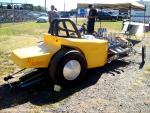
67	55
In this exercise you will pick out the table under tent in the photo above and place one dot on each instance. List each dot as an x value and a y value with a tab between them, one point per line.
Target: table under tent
129	28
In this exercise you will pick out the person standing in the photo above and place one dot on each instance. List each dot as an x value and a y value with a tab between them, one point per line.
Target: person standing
52	15
91	19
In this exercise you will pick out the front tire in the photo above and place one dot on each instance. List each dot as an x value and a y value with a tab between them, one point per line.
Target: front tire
67	67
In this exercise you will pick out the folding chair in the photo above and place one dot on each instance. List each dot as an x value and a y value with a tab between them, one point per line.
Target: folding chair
100	32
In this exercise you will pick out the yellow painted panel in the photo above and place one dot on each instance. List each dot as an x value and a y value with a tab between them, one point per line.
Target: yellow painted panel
34	57
95	50
52	40
41	61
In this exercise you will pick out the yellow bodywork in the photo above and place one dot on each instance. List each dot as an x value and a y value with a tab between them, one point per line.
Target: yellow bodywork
95	51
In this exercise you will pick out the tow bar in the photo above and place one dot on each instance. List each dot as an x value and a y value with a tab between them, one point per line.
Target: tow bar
27	79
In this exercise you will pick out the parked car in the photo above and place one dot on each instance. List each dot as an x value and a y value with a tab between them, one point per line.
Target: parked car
107	16
34	14
43	14
42	19
65	16
122	16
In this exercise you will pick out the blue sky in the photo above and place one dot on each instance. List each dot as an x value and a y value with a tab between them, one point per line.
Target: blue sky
59	4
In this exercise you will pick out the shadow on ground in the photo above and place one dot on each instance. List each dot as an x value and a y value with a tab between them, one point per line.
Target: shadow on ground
44	95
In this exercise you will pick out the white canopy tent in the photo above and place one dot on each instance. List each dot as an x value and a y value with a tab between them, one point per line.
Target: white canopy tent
113	5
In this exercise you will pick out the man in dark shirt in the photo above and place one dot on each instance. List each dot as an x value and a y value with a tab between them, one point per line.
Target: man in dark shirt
91	19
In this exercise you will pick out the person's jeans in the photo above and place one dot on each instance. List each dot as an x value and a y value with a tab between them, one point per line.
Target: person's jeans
90	27
52	26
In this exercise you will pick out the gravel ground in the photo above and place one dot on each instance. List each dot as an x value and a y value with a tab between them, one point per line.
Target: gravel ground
122	86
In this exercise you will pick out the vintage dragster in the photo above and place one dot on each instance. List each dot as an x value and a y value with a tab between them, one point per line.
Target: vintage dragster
67	55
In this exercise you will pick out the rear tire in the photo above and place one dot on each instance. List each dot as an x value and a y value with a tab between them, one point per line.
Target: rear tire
67	67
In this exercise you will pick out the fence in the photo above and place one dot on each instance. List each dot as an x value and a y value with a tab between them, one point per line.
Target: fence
12	16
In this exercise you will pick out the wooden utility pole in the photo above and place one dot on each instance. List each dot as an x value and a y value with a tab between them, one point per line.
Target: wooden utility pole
45	5
13	11
64	6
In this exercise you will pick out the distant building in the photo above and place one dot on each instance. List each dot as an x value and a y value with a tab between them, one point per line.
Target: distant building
16	6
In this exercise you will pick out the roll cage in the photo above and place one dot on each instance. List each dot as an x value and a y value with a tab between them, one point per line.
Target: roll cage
64	28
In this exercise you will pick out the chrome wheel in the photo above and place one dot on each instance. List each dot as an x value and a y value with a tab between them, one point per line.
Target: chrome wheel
71	70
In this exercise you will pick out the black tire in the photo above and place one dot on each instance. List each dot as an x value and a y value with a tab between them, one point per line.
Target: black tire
60	59
143	53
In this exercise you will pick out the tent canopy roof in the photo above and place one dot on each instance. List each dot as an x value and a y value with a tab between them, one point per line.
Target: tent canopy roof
113	5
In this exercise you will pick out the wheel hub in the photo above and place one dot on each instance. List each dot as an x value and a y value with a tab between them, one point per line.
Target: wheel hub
71	70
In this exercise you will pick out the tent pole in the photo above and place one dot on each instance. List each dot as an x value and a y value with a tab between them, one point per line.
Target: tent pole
144	19
129	20
130	13
76	15
100	19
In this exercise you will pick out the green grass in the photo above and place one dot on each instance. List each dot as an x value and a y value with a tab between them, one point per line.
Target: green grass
110	25
30	28
10	24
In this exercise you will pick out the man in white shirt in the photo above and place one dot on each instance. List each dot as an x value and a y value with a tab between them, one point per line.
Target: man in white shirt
53	14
